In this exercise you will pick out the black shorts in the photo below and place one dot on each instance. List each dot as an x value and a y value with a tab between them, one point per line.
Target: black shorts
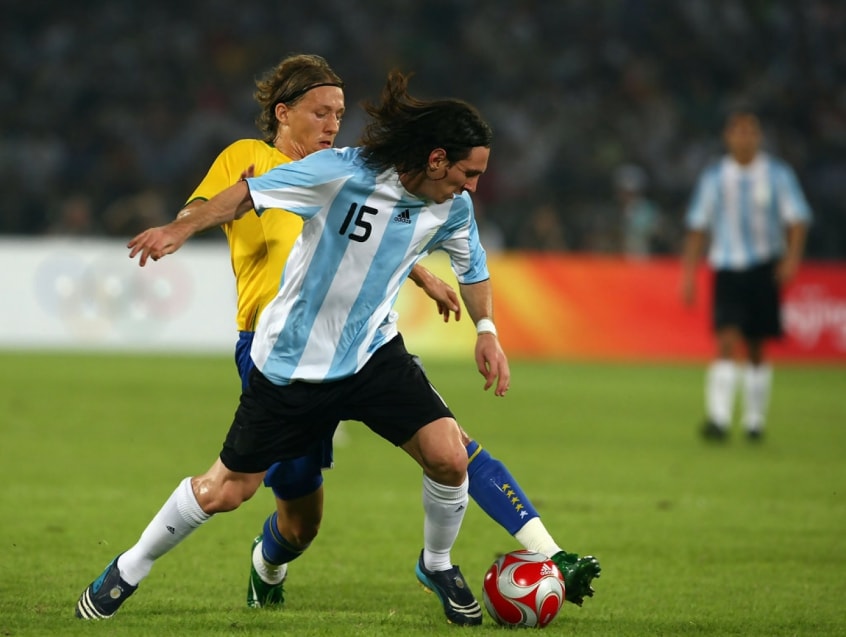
749	300
391	395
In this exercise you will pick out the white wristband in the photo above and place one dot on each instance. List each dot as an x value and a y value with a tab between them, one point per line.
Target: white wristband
484	326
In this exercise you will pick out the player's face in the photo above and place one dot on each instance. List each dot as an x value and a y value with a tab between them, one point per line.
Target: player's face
312	123
743	137
459	176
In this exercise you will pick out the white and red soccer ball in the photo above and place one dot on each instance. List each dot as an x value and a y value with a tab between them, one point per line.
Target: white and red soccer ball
523	588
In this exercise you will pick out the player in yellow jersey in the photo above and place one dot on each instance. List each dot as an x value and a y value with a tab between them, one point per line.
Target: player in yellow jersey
302	102
258	246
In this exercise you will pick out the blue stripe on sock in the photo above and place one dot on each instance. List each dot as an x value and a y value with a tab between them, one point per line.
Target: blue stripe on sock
275	549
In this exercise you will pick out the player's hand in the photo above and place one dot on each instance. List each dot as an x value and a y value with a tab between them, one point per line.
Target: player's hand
157	242
444	296
249	171
492	363
786	270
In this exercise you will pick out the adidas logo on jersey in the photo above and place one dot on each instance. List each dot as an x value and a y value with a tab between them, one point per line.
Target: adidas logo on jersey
403	217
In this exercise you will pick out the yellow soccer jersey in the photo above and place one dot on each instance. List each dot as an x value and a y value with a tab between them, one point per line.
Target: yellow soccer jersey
259	246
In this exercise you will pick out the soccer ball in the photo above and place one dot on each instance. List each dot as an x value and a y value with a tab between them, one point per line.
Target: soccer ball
523	588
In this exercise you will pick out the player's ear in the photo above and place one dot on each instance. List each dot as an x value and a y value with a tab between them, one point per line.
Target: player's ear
437	159
281	112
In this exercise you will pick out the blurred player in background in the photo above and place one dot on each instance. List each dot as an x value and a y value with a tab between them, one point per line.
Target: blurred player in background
750	206
302	106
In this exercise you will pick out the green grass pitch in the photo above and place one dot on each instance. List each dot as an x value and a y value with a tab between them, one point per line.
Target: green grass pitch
694	539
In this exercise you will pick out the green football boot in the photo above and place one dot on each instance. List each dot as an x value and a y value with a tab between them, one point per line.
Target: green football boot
260	594
578	574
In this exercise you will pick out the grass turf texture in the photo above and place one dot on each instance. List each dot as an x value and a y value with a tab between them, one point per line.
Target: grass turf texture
694	538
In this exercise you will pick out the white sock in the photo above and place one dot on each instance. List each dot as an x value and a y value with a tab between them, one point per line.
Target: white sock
444	509
757	380
534	537
269	573
175	521
720	385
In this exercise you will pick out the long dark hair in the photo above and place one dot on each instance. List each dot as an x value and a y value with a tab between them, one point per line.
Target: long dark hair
403	130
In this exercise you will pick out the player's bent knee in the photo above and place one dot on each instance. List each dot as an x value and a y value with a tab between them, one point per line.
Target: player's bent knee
225	500
450	469
302	534
299	528
299	519
215	497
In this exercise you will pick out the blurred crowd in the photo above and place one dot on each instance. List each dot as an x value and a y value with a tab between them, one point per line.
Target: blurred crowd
604	111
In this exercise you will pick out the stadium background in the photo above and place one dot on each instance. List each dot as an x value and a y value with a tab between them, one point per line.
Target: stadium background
110	113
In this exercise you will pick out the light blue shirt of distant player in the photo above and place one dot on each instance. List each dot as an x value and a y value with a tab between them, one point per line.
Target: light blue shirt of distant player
362	234
746	210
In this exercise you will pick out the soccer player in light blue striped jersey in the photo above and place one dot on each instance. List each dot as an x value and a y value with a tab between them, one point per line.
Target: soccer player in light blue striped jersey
327	349
750	207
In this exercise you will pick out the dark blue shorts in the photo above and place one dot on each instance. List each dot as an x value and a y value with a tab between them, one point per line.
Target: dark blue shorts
289	479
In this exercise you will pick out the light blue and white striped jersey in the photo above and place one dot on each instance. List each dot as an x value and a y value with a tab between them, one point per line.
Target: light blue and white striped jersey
362	234
746	210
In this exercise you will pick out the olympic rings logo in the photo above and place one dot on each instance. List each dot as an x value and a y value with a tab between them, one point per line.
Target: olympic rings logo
109	296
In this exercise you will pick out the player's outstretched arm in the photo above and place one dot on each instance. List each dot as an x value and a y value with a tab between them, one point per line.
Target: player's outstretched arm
441	292
155	243
490	357
789	264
